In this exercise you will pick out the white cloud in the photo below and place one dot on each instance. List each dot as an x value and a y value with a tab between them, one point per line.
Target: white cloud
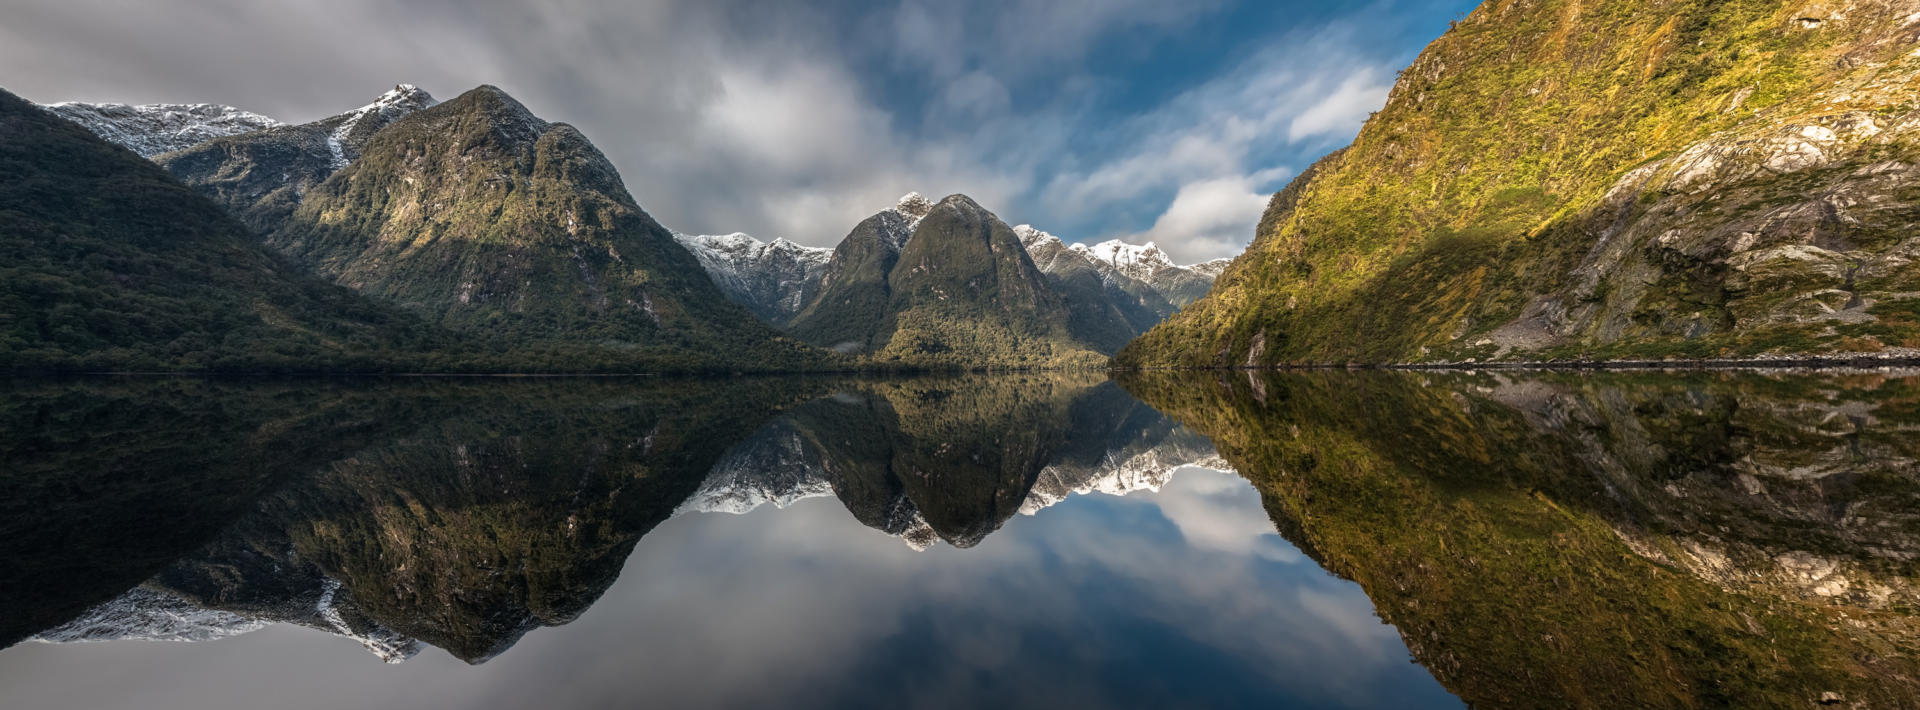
771	121
1208	219
1343	111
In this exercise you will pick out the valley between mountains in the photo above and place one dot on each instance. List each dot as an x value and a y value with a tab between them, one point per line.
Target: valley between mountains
1549	182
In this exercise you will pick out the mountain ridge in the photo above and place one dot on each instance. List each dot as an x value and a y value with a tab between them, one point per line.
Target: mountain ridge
1737	196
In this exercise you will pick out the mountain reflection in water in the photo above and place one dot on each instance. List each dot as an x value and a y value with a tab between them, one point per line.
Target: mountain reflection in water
1647	539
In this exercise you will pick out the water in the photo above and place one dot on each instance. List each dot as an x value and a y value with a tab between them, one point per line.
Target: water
1202	540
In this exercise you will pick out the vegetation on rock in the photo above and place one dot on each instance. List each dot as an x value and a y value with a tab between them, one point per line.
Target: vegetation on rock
960	292
106	263
1560	179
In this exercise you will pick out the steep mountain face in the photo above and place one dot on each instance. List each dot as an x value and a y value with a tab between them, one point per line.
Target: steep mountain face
852	304
1116	291
1612	179
484	218
109	263
773	280
262	176
948	286
152	129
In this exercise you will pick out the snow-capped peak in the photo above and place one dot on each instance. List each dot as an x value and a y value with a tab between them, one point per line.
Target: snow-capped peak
391	106
152	129
773	279
1136	260
1031	237
150	615
914	207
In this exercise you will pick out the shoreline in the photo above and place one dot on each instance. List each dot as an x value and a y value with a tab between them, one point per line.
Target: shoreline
1783	363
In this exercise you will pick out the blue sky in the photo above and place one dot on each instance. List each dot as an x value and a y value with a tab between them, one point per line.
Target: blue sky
1133	119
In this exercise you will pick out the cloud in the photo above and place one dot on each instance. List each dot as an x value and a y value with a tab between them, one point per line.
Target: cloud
792	119
1209	219
1212	157
1343	111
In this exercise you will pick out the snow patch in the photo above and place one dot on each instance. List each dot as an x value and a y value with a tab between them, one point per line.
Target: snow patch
152	129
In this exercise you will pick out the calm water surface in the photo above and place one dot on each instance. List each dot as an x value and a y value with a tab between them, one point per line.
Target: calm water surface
1212	540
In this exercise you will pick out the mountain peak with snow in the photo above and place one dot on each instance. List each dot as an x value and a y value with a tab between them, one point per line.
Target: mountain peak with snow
356	126
914	207
153	129
772	279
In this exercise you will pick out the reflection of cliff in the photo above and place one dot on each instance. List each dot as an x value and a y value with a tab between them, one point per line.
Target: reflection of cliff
106	481
953	458
488	510
1618	540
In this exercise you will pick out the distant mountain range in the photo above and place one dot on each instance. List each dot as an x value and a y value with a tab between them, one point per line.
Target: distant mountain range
511	243
1109	293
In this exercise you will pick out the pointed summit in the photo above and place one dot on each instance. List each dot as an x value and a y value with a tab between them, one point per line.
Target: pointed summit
941	285
262	176
913	206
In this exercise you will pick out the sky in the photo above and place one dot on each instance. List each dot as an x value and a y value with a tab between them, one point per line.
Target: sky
1143	120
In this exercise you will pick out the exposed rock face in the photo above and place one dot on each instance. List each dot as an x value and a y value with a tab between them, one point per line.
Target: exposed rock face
262	176
1105	308
852	299
484	218
1719	202
152	129
773	279
1139	285
949	285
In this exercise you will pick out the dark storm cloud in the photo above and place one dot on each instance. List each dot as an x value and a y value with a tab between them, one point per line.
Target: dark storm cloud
784	118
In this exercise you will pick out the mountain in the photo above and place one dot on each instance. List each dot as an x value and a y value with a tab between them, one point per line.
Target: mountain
519	234
109	263
152	129
262	176
1180	285
773	280
852	304
1139	284
942	285
1595	180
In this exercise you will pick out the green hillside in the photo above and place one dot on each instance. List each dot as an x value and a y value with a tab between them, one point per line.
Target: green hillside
518	235
108	263
1599	179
